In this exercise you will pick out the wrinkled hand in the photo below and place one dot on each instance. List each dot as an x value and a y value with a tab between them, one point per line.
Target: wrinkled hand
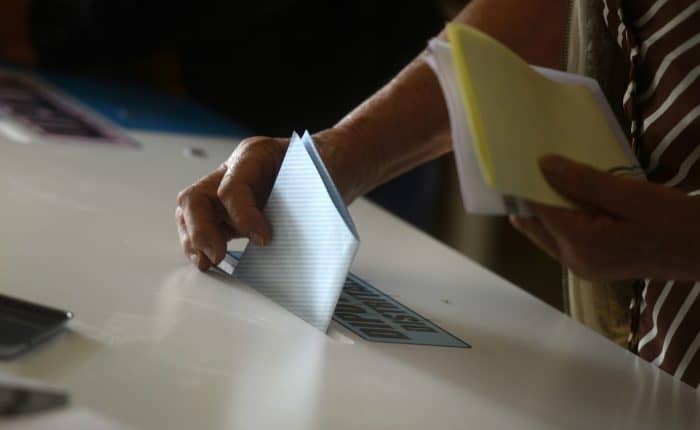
625	229
227	203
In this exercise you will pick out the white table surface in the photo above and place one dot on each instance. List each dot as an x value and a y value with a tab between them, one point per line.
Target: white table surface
157	345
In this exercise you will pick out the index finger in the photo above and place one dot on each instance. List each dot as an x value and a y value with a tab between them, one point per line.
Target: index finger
239	199
202	219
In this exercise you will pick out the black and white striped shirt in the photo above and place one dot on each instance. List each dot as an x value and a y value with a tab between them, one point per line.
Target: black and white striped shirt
662	102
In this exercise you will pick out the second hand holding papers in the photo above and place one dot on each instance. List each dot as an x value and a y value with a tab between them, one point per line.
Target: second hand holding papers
505	115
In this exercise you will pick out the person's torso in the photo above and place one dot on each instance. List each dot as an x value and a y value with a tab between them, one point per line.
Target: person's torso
660	42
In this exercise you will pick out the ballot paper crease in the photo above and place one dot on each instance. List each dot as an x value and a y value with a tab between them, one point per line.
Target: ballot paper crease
314	242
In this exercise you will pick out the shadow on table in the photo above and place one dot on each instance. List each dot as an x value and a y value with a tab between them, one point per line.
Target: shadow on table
576	384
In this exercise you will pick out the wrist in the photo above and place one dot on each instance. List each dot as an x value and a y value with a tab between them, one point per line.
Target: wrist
350	169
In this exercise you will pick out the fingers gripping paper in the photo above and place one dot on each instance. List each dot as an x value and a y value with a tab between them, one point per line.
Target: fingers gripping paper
505	115
314	239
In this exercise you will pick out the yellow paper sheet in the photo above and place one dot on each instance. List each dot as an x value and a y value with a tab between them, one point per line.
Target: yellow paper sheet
516	116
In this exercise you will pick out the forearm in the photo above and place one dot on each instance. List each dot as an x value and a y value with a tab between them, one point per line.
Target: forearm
399	127
406	123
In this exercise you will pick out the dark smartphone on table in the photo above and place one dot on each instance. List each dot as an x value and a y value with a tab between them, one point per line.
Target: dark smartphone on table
24	324
20	398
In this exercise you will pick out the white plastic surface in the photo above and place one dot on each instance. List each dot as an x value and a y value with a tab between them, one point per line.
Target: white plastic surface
157	345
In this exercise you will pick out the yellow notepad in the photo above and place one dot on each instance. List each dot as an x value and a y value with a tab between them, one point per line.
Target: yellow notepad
516	115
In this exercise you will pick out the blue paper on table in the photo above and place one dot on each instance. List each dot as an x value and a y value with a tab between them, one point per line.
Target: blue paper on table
314	239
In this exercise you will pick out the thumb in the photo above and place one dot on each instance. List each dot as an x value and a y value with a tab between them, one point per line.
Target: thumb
591	188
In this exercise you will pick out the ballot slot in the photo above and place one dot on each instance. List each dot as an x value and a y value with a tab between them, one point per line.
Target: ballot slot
377	317
370	314
339	334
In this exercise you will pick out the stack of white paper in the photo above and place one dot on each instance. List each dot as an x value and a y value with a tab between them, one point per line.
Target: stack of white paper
477	196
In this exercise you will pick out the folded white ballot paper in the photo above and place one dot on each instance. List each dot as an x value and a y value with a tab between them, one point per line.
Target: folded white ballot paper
314	241
477	196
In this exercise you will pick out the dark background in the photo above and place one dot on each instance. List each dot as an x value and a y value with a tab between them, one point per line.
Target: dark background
272	67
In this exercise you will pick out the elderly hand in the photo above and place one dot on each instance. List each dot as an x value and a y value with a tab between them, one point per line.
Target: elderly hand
625	228
228	202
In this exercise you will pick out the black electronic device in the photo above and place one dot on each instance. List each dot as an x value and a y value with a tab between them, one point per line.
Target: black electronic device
21	398
24	324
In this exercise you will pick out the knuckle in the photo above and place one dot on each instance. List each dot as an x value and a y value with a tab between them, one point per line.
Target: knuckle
227	196
223	194
255	141
245	148
184	196
260	146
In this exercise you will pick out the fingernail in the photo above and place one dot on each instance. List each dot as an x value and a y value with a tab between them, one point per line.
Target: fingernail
257	239
211	255
193	257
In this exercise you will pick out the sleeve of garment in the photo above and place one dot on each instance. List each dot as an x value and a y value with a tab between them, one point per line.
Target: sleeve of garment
74	33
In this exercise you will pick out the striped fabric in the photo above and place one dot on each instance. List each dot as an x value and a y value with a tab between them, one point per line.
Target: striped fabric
662	101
